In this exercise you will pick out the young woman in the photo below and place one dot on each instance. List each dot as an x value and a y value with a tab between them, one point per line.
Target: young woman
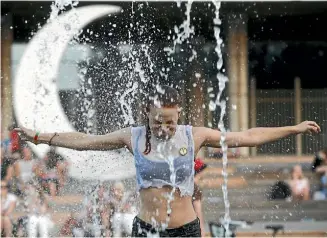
162	146
299	184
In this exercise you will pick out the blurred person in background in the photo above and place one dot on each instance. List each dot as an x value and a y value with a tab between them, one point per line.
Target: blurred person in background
10	140
37	204
319	166
97	212
5	143
51	172
7	169
123	210
8	204
26	165
299	184
15	141
16	185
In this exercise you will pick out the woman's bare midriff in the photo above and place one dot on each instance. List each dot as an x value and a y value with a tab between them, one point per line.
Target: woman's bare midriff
154	206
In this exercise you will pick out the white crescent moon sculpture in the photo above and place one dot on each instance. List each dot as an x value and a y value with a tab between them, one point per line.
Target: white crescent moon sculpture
36	100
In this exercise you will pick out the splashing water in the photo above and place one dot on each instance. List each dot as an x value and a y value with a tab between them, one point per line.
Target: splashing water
135	68
60	5
183	32
169	158
222	79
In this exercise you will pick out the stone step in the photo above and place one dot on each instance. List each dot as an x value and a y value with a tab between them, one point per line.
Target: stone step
266	215
212	204
277	175
283	234
263	160
263	173
280	234
247	190
233	182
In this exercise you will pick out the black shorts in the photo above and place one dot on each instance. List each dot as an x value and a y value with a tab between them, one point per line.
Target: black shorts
143	229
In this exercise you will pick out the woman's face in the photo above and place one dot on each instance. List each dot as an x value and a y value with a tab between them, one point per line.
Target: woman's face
163	121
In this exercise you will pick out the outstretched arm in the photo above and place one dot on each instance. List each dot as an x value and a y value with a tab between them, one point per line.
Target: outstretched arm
80	141
253	137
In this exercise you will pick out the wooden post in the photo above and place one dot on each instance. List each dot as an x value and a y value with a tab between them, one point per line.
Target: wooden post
233	79
298	119
238	75
6	91
253	109
243	100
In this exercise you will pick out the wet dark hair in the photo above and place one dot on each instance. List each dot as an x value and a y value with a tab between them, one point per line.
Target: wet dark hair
162	96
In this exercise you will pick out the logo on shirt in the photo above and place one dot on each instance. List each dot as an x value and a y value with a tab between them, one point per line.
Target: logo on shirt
183	151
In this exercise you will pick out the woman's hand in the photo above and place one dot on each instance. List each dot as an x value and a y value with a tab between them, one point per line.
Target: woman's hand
25	134
310	127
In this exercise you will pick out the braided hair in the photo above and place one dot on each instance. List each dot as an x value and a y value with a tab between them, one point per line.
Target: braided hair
163	96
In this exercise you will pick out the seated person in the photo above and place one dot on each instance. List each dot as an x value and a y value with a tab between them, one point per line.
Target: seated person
11	172
8	204
37	203
7	169
26	165
299	184
51	172
319	166
122	210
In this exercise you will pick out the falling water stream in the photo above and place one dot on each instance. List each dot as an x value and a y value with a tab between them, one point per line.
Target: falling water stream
183	33
222	79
